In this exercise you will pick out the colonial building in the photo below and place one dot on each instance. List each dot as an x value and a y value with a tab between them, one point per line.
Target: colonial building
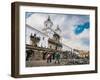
40	42
47	38
35	37
83	54
54	35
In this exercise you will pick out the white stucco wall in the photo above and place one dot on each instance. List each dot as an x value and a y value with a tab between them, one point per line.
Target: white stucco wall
30	30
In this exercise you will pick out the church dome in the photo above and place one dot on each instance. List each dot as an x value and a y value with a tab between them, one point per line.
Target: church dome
58	30
48	23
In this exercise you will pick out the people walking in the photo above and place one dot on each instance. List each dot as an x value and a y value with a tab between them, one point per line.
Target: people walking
49	55
57	58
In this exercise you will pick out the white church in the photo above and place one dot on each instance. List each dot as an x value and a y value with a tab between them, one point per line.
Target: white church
47	38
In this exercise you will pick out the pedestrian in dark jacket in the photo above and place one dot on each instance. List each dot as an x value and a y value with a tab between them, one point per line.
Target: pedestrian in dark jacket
57	58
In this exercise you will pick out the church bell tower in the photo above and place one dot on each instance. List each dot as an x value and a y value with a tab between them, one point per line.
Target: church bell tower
48	26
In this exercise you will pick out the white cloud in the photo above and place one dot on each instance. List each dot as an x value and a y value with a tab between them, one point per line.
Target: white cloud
76	41
36	20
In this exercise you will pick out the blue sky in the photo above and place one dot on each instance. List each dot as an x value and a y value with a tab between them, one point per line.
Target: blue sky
80	28
28	14
75	28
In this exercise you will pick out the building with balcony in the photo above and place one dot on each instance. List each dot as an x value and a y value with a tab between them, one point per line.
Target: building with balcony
47	38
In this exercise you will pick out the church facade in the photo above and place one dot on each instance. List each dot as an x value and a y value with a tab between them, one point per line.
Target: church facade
47	38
